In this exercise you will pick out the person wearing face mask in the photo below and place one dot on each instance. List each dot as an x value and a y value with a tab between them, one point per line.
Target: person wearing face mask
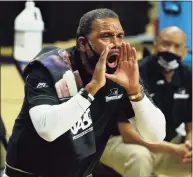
169	83
74	98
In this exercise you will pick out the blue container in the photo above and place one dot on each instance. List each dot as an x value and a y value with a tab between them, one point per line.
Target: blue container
177	13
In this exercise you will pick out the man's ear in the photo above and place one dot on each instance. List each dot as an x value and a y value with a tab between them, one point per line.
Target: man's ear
81	41
185	51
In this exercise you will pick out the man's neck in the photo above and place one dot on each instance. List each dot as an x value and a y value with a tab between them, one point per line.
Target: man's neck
168	76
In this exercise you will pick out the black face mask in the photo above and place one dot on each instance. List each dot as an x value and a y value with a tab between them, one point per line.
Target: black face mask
168	61
93	58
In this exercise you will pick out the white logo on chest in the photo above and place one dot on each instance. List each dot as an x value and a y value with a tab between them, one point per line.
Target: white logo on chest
83	123
114	95
181	94
42	85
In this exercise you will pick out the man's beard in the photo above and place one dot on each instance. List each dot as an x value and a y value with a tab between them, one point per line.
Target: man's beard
92	58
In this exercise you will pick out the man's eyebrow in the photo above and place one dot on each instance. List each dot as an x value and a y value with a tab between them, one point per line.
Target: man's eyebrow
122	32
110	32
173	42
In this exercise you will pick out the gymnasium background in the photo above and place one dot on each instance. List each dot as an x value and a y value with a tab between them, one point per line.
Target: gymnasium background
141	21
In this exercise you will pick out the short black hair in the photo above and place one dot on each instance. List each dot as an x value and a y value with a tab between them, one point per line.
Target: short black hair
85	23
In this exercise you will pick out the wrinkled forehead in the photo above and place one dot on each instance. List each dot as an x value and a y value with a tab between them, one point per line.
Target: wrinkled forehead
173	37
107	24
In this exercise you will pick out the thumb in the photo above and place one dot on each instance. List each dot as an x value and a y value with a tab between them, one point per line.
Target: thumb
111	77
104	54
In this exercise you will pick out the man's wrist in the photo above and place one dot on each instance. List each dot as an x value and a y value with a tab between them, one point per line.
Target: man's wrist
84	93
163	147
136	94
134	90
91	88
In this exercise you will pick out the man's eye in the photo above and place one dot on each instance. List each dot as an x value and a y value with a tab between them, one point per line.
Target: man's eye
105	35
121	36
165	43
177	46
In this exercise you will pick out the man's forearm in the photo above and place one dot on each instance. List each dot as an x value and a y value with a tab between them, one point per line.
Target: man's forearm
51	121
149	121
132	137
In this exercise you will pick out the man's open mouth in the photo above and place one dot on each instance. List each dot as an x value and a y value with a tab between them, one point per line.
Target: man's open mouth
112	58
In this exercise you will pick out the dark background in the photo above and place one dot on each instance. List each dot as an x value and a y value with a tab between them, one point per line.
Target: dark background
61	18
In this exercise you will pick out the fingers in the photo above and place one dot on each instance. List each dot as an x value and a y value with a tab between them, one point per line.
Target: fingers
111	77
125	52
188	144
121	52
65	89
121	56
134	54
188	155
104	53
62	89
58	90
128	53
187	160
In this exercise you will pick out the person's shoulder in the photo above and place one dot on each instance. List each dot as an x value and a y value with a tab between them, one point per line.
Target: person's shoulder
45	58
46	50
144	61
187	70
38	72
71	50
51	49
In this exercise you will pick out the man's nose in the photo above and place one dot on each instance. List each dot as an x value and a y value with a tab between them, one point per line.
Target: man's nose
172	49
117	41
